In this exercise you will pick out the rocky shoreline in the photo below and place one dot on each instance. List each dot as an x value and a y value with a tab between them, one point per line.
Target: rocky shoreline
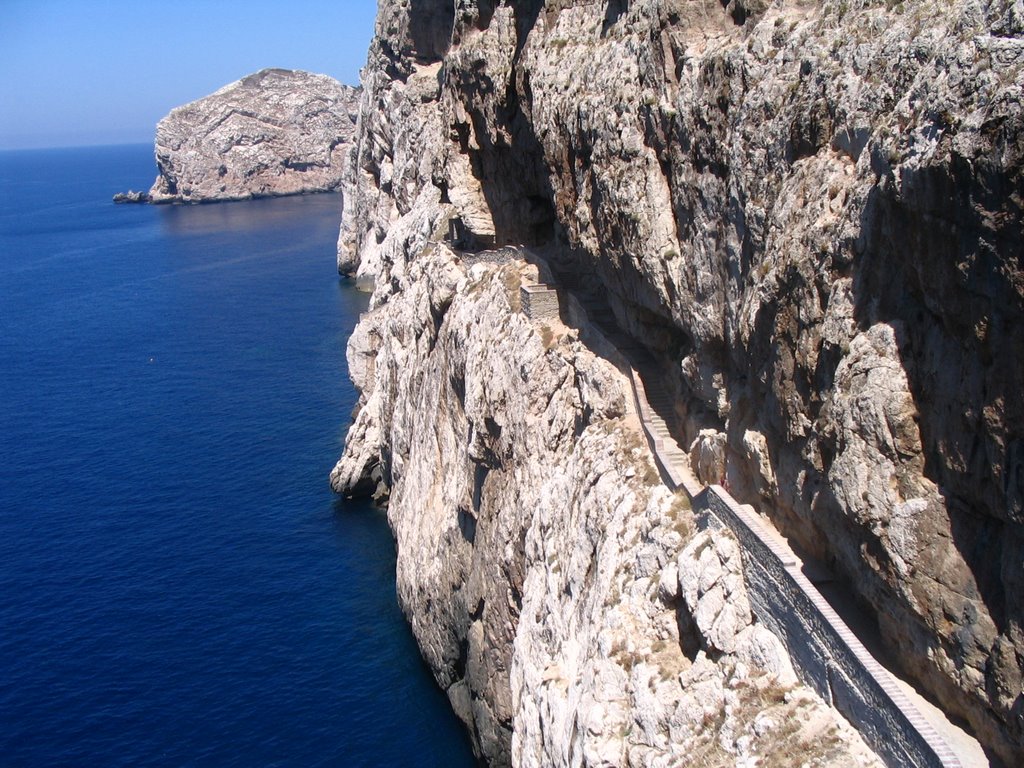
131	196
808	216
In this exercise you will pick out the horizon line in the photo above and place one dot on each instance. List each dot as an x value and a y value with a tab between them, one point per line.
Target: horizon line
77	146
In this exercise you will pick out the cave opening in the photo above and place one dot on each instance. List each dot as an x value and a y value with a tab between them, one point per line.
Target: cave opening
431	35
541	220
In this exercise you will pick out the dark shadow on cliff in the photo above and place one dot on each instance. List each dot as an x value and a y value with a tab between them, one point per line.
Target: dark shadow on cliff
508	160
430	28
940	260
928	268
612	13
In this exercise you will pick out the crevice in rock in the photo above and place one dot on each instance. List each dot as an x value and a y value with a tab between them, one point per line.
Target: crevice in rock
526	13
613	11
467	525
480	472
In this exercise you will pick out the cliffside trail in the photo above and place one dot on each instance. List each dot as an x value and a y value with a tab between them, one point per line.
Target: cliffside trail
809	215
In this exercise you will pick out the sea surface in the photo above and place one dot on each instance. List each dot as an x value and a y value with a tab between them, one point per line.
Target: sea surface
178	584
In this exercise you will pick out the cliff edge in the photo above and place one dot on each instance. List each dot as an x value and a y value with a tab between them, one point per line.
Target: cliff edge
809	215
275	132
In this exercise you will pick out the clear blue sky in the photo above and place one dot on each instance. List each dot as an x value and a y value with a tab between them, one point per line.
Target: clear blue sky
83	72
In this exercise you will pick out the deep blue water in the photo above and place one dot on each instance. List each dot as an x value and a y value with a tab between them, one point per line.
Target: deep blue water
178	585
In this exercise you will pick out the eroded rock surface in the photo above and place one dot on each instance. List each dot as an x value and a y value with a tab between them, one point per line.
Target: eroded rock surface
275	132
810	212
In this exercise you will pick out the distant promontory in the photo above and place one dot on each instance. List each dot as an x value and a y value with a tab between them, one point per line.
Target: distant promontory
276	132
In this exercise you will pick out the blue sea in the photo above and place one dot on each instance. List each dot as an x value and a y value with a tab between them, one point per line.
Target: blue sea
178	584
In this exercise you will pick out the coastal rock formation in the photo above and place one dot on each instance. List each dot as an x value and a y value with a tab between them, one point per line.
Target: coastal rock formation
275	132
810	213
131	196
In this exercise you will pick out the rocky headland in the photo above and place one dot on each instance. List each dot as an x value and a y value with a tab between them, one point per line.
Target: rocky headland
276	132
808	215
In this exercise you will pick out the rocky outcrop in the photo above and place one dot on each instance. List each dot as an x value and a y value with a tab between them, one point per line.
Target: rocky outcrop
810	213
131	196
275	132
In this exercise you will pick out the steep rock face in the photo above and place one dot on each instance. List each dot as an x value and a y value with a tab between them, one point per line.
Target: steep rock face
556	588
812	213
275	132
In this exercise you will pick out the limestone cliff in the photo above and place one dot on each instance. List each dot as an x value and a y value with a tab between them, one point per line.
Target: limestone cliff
557	589
810	213
275	132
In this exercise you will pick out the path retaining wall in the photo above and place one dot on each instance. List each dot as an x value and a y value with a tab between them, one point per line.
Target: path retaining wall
539	301
826	654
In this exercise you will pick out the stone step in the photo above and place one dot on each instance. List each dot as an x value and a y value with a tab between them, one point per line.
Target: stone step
671	451
657	393
670	448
